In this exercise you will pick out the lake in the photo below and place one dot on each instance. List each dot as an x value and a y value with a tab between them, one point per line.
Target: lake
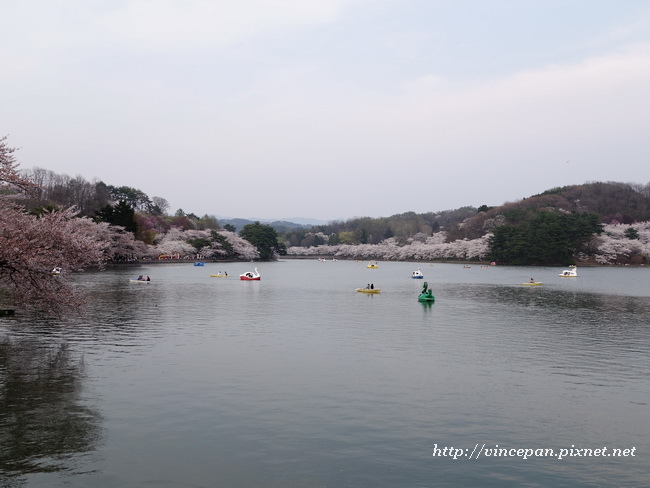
299	381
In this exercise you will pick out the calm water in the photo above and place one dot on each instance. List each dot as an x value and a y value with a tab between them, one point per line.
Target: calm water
299	381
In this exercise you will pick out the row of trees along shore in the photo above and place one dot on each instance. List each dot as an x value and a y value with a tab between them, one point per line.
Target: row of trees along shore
48	220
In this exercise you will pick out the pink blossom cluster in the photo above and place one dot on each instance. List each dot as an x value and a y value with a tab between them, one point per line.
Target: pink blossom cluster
614	247
177	241
417	248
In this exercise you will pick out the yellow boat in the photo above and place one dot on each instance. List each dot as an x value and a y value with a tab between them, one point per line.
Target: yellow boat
535	283
368	290
372	266
219	276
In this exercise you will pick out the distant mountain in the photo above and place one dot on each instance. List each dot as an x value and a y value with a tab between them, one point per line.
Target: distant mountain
306	221
278	225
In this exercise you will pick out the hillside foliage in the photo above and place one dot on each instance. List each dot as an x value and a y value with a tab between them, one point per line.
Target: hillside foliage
559	226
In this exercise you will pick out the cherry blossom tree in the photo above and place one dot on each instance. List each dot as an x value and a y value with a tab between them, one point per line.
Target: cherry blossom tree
12	184
614	245
117	243
31	246
241	248
206	243
174	242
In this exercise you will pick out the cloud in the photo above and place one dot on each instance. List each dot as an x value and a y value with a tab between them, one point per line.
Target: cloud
143	93
191	23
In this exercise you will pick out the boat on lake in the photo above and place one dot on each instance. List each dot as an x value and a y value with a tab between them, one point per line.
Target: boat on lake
201	263
417	274
572	272
220	275
369	290
372	266
250	276
532	283
426	295
144	281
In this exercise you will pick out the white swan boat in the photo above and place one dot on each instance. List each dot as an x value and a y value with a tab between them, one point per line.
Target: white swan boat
250	275
572	272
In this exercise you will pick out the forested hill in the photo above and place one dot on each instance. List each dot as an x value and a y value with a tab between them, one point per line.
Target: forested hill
610	202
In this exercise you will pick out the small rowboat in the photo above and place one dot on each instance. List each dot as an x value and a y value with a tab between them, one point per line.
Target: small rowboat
535	283
140	281
219	276
369	290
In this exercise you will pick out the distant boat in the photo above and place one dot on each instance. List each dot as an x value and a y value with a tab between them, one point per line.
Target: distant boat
199	264
372	266
532	283
369	290
220	275
426	295
417	275
145	282
56	271
250	276
572	272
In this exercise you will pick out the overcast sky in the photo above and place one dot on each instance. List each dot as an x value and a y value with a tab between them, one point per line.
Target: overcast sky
329	109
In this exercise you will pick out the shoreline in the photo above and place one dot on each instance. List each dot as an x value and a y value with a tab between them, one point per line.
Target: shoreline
141	262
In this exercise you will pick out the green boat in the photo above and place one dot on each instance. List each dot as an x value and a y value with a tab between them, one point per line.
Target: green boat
426	295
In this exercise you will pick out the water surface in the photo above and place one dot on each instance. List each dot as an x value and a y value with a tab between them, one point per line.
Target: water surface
299	381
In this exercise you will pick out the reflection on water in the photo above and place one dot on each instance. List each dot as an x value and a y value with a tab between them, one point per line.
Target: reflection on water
44	424
299	381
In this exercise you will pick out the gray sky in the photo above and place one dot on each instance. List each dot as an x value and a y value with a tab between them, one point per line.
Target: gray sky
329	108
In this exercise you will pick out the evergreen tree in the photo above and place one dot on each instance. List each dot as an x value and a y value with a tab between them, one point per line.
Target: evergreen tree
121	214
265	239
543	238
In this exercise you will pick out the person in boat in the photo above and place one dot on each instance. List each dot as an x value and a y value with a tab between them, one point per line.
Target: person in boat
225	273
372	286
426	291
368	286
148	279
532	280
140	278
